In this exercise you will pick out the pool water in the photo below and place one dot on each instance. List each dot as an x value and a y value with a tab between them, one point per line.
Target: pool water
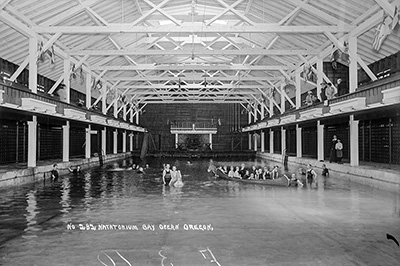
104	217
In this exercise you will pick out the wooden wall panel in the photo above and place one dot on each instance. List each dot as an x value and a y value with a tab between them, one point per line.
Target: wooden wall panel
157	118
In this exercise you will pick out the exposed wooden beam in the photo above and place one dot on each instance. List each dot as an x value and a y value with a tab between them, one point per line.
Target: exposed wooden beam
318	13
192	67
196	28
186	87
187	52
227	9
144	16
366	68
16	24
171	18
385	5
192	78
4	3
54	20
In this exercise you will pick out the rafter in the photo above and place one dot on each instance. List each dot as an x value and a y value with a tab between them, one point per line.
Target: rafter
4	3
227	9
144	16
190	86
192	67
177	22
196	28
192	78
186	52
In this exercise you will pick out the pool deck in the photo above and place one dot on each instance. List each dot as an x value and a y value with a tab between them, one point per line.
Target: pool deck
377	175
18	174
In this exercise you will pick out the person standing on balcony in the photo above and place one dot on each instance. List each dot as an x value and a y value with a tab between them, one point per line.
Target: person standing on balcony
329	91
323	89
310	99
342	88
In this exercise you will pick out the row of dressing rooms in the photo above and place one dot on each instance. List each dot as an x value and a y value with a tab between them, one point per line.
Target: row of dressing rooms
50	139
365	138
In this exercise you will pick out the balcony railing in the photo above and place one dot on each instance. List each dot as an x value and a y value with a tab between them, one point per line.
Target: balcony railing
193	125
371	94
20	97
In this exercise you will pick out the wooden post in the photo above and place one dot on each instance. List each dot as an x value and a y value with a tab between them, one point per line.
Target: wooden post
65	130
115	142
354	152
320	141
32	141
271	141
103	142
320	78
299	152
88	89
104	98
298	90
124	141
33	48
353	71
88	142
283	140
67	83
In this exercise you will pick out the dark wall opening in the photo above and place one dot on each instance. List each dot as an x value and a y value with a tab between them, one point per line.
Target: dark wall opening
309	141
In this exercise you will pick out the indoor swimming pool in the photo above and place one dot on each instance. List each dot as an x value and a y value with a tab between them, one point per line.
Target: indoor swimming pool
103	217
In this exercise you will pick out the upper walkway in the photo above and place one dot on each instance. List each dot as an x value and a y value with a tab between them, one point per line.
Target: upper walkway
377	94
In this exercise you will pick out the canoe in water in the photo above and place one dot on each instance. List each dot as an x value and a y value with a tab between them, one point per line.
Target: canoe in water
281	181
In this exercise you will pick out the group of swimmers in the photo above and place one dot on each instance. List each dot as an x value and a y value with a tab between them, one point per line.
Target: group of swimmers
241	172
139	169
172	177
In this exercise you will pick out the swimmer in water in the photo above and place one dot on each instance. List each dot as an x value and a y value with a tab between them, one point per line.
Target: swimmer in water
166	175
76	170
140	170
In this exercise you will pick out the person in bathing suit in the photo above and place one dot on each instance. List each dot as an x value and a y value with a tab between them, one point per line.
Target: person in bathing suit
166	175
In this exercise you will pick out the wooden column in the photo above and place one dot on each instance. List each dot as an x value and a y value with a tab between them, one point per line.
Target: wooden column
298	90
32	141
124	141
131	115
299	152
354	152
283	140
250	140
33	48
104	141
67	83
255	141
115	103
115	142
271	141
320	141
262	136
131	141
65	130
353	71
88	138
88	89
137	118
255	112
104	98
124	112
282	99
320	79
